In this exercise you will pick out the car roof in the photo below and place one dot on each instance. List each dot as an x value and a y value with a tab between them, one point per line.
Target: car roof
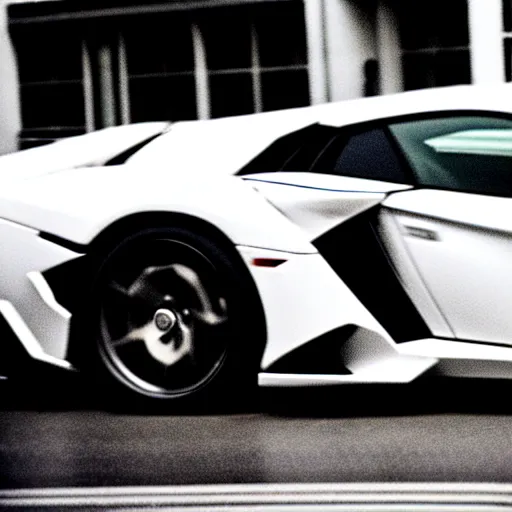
225	145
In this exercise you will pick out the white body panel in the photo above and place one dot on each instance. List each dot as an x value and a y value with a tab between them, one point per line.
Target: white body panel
317	202
472	210
22	256
94	148
399	369
327	182
459	359
323	304
447	349
26	337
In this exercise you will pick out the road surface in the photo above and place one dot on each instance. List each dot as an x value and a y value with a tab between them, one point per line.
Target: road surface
460	431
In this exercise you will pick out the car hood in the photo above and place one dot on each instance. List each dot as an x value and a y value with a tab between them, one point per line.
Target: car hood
89	150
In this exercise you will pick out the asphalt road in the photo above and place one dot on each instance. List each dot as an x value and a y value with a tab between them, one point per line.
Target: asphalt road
54	436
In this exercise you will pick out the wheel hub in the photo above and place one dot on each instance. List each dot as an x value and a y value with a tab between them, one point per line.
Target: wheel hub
164	320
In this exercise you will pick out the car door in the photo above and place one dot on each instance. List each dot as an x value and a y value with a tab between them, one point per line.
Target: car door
454	229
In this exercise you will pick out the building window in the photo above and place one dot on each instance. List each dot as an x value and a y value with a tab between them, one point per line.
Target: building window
160	70
51	85
177	65
507	29
507	15
225	62
435	43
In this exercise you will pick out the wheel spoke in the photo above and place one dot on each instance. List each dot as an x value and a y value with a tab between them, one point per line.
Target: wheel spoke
208	318
131	302
206	313
143	290
138	334
120	290
116	344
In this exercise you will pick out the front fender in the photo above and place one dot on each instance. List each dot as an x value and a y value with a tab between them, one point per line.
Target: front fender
78	204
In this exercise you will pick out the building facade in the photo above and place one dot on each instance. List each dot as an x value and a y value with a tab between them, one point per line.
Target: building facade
73	66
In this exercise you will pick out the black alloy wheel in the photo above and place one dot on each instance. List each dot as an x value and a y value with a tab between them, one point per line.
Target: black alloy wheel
172	310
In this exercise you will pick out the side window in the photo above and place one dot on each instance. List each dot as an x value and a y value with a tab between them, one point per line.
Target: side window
464	153
366	155
294	151
304	159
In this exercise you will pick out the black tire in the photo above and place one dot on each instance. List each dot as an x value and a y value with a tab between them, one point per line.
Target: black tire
178	323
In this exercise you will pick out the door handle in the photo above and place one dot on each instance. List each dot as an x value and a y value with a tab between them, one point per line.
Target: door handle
425	234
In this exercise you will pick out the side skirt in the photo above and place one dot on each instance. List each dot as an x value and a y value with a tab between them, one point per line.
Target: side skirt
438	357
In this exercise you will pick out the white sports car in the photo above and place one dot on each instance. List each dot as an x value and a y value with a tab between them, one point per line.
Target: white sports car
361	241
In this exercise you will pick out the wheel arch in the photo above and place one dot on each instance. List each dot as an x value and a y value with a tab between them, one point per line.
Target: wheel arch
132	223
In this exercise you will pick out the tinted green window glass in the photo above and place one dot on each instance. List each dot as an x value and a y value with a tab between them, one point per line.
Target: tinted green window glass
465	153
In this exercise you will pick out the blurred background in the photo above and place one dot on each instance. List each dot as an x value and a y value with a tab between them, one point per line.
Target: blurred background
72	66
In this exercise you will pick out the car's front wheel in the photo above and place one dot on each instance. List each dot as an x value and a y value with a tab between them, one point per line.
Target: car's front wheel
177	321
